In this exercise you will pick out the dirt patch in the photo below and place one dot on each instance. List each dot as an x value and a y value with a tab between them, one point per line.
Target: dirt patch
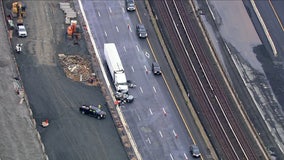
78	69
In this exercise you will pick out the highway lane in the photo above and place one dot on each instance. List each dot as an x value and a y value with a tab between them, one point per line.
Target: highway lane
273	15
53	96
182	101
153	119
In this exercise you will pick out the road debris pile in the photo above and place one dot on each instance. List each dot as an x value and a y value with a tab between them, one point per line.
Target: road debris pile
78	69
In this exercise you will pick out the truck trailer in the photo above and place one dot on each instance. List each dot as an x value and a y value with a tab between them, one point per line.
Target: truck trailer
115	67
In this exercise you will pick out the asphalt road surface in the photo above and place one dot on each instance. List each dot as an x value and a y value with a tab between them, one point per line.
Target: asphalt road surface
153	118
52	96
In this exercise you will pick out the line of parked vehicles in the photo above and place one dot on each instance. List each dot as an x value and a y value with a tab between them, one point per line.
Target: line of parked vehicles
18	11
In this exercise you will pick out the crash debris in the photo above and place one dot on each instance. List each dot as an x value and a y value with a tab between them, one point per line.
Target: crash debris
78	69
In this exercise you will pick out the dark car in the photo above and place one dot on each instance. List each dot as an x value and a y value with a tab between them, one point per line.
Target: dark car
92	111
141	31
194	150
123	97
156	69
130	5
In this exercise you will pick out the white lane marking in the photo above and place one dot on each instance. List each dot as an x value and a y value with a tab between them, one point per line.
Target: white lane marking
145	68
174	132
109	9
139	118
212	14
123	10
117	29
171	156
141	89
105	33
150	111
147	54
149	140
137	48
124	48
132	68
99	13
185	156
161	134
164	111
228	49
154	89
129	27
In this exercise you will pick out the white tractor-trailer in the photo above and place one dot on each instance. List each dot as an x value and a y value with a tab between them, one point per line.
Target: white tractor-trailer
115	67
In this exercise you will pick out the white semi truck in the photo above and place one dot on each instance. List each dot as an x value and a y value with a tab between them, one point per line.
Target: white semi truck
115	67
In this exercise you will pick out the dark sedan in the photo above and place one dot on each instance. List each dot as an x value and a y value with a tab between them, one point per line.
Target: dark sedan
141	31
92	111
194	150
156	69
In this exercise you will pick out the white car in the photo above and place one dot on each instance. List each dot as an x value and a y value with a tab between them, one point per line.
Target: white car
130	5
22	32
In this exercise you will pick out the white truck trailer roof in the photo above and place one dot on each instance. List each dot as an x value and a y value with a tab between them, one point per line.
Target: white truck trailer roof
115	66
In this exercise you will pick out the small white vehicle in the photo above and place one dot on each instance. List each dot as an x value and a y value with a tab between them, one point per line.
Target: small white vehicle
19	48
22	32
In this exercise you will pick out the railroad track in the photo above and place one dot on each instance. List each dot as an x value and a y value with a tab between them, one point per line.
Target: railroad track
227	131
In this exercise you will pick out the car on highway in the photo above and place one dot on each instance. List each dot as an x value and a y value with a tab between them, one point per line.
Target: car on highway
124	97
194	150
156	69
92	111
22	32
141	31
130	5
